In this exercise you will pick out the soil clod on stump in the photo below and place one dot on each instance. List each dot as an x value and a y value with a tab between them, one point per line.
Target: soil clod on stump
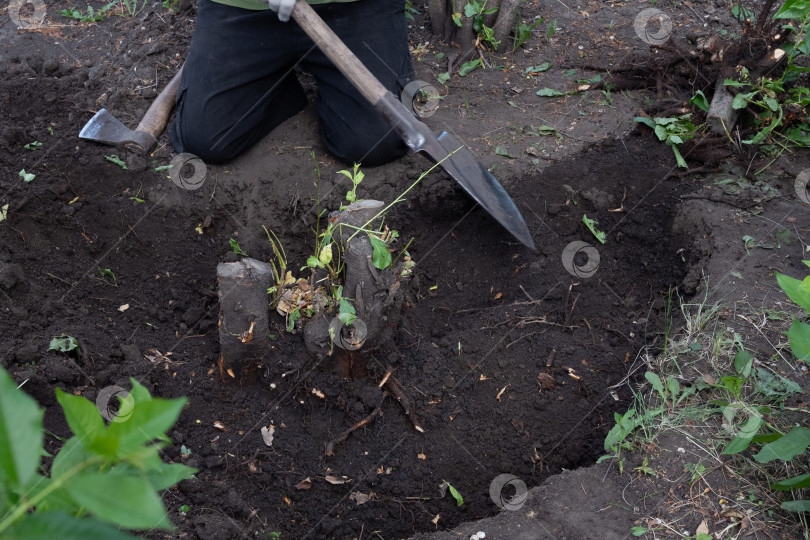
243	326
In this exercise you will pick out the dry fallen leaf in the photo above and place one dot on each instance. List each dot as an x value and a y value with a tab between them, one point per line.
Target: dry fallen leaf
420	455
703	528
306	483
435	520
267	434
498	397
546	380
334	480
498	296
318	393
123	308
483	378
220	426
362	498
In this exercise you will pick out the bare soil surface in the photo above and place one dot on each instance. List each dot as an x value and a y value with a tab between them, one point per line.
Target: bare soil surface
514	364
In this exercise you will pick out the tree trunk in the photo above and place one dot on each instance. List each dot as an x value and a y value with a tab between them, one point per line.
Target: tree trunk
502	21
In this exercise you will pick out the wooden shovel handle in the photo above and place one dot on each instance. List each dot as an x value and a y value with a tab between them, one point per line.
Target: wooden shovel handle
340	55
155	119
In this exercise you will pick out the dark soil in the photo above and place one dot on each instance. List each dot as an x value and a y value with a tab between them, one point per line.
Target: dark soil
485	318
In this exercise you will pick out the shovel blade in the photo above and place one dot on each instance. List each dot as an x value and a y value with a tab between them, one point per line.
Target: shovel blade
478	182
105	128
460	164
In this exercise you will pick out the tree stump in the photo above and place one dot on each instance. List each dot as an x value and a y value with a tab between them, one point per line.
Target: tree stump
243	314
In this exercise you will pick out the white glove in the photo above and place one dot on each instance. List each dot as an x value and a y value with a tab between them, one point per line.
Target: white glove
284	8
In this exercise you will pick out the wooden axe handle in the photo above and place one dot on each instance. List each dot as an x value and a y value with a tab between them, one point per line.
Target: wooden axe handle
340	55
155	119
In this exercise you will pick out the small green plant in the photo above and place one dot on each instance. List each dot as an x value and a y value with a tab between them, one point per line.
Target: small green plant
591	225
279	265
476	11
65	344
455	493
172	5
90	14
673	131
26	176
32	145
551	27
117	160
410	11
107	273
73	501
236	249
523	32
356	176
616	439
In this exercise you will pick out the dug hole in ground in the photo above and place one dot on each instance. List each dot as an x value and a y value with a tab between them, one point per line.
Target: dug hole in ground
515	361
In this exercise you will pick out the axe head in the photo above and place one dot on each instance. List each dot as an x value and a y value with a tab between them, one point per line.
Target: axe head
105	128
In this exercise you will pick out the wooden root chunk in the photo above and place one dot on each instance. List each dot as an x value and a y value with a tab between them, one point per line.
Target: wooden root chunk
243	312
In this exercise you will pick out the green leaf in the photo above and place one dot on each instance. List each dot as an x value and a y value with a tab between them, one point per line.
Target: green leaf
732	82
128	501
673	387
20	435
798	291
733	385
638	530
61	525
591	225
117	160
796	506
785	448
455	493
235	247
537	69
32	145
346	312
744	436
549	92
149	419
326	254
503	151
86	423
468	67
743	361
26	176
793	9
740	101
161	475
624	426
64	343
647	121
700	101
381	257
655	381
799	336
72	454
797	482
443	77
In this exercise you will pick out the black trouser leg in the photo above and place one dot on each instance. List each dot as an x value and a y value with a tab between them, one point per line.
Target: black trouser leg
238	82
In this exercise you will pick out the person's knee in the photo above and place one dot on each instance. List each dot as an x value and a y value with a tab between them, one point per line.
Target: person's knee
203	143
